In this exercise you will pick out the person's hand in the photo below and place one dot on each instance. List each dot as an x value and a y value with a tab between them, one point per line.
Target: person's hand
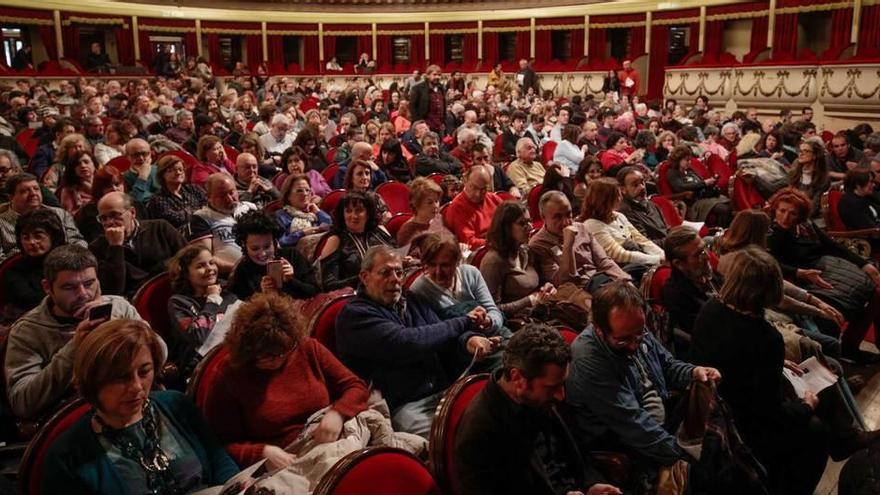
373	165
329	428
277	458
793	367
568	235
267	284
482	346
143	171
829	312
86	325
705	374
603	489
710	181
312	207
480	318
811	400
873	274
286	271
213	290
115	235
814	277
514	191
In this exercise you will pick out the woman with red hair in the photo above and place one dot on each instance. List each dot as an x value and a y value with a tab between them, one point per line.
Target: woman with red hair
825	268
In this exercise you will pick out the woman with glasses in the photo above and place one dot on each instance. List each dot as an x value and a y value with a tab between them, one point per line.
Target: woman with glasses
273	380
176	200
299	216
810	173
295	161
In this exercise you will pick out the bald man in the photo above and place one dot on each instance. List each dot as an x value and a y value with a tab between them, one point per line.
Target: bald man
217	220
471	211
362	151
140	178
251	187
130	250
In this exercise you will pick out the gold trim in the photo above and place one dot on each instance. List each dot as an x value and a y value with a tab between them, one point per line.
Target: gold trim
612	25
231	31
870	3
558	27
348	33
411	32
505	29
113	21
739	15
35	21
815	8
672	22
281	32
167	29
455	31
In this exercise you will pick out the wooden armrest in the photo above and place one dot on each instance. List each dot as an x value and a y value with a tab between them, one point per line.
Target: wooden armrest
678	196
871	233
613	465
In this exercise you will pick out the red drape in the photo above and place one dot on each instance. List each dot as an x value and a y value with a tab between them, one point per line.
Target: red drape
365	45
636	42
330	47
577	45
659	57
869	32
213	40
47	36
714	41
469	51
254	49
70	38
490	49
785	37
275	44
310	53
523	45
760	26
417	51
438	49
597	45
384	53
841	25
146	48
124	45
543	47
190	44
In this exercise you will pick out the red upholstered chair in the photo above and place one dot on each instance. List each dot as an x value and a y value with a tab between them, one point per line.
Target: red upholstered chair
652	290
393	226
699	168
411	277
505	196
378	471
532	202
717	166
396	196
569	334
328	204
205	374
273	206
330	172
856	240
441	443
662	181
5	266
477	256
322	326
30	472
189	161
121	163
331	154
24	136
436	177
547	152
745	195
670	213
151	302
231	152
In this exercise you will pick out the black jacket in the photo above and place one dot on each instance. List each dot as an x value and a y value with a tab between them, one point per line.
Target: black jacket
530	80
420	101
496	448
858	212
247	277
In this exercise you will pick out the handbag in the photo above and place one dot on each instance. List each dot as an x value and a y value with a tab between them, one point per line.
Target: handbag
852	288
570	305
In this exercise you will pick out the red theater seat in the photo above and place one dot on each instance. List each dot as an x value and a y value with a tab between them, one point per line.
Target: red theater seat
121	163
532	202
205	374
378	471
328	204
396	196
393	226
151	302
273	206
322	326
30	472
330	172
547	152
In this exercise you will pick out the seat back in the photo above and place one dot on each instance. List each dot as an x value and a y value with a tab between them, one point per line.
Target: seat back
411	277
378	471
437	178
396	222
24	135
505	196
322	325
699	168
441	444
189	161
831	201
121	163
205	374
328	204
151	302
662	180
5	266
330	172
668	210
569	334
745	195
477	256
717	166
273	206
532	202
231	152
396	196
30	472
547	152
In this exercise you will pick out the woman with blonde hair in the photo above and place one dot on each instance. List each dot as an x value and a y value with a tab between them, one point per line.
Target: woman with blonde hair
70	146
135	440
424	201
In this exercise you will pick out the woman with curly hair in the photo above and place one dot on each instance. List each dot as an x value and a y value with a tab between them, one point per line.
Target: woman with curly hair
274	379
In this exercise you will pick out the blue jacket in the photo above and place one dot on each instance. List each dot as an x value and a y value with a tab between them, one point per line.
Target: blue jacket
77	463
407	354
289	238
604	390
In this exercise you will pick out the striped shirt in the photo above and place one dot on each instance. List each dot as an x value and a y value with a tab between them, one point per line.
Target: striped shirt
9	217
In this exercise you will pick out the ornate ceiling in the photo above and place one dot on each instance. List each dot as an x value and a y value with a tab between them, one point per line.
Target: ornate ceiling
360	6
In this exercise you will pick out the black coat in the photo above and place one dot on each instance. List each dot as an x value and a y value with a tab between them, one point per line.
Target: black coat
247	277
529	80
420	101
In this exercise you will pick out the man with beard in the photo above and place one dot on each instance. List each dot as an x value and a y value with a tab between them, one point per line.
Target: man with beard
641	212
512	439
140	178
692	281
620	380
43	342
428	100
218	220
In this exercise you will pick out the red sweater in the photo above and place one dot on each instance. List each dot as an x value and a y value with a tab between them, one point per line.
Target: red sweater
249	408
470	222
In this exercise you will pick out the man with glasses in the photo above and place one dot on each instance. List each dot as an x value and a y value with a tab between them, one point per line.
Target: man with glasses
94	130
140	178
526	172
399	344
471	211
480	155
620	381
25	194
130	251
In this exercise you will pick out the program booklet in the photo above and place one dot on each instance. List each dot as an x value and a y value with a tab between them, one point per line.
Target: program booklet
816	378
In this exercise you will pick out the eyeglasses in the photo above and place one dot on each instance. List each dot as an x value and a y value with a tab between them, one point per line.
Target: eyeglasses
142	154
524	222
113	215
5	170
629	340
388	272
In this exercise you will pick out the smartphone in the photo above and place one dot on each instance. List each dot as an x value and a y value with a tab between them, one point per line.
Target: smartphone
100	312
273	270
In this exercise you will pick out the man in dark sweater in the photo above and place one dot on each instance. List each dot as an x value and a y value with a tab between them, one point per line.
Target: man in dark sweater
130	251
401	345
637	208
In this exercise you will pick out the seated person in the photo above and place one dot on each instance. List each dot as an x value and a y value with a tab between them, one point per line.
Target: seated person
616	155
706	197
131	251
212	160
37	233
641	212
361	151
451	287
257	234
198	303
218	219
299	216
567	252
401	346
251	187
508	268
42	343
500	181
504	440
692	281
279	137
620	240
526	171
273	380
24	196
359	177
392	160
355	229
10	166
511	136
567	151
466	138
470	212
295	161
620	379
424	201
114	369
141	180
858	207
96	60
76	182
432	160
176	200
107	179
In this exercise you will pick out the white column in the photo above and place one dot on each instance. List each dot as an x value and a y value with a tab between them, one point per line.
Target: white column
702	42
199	40
59	41
375	36
532	37
136	33
265	41
427	43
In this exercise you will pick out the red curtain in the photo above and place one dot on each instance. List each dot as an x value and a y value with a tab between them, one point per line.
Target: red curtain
275	44
417	51
543	47
841	25
469	52
47	36
636	42
330	47
523	45
597	45
714	41
365	45
785	37
659	57
310	53
70	38
124	45
438	49
760	26
213	40
869	31
190	44
254	49
490	49
146	48
384	52
577	45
